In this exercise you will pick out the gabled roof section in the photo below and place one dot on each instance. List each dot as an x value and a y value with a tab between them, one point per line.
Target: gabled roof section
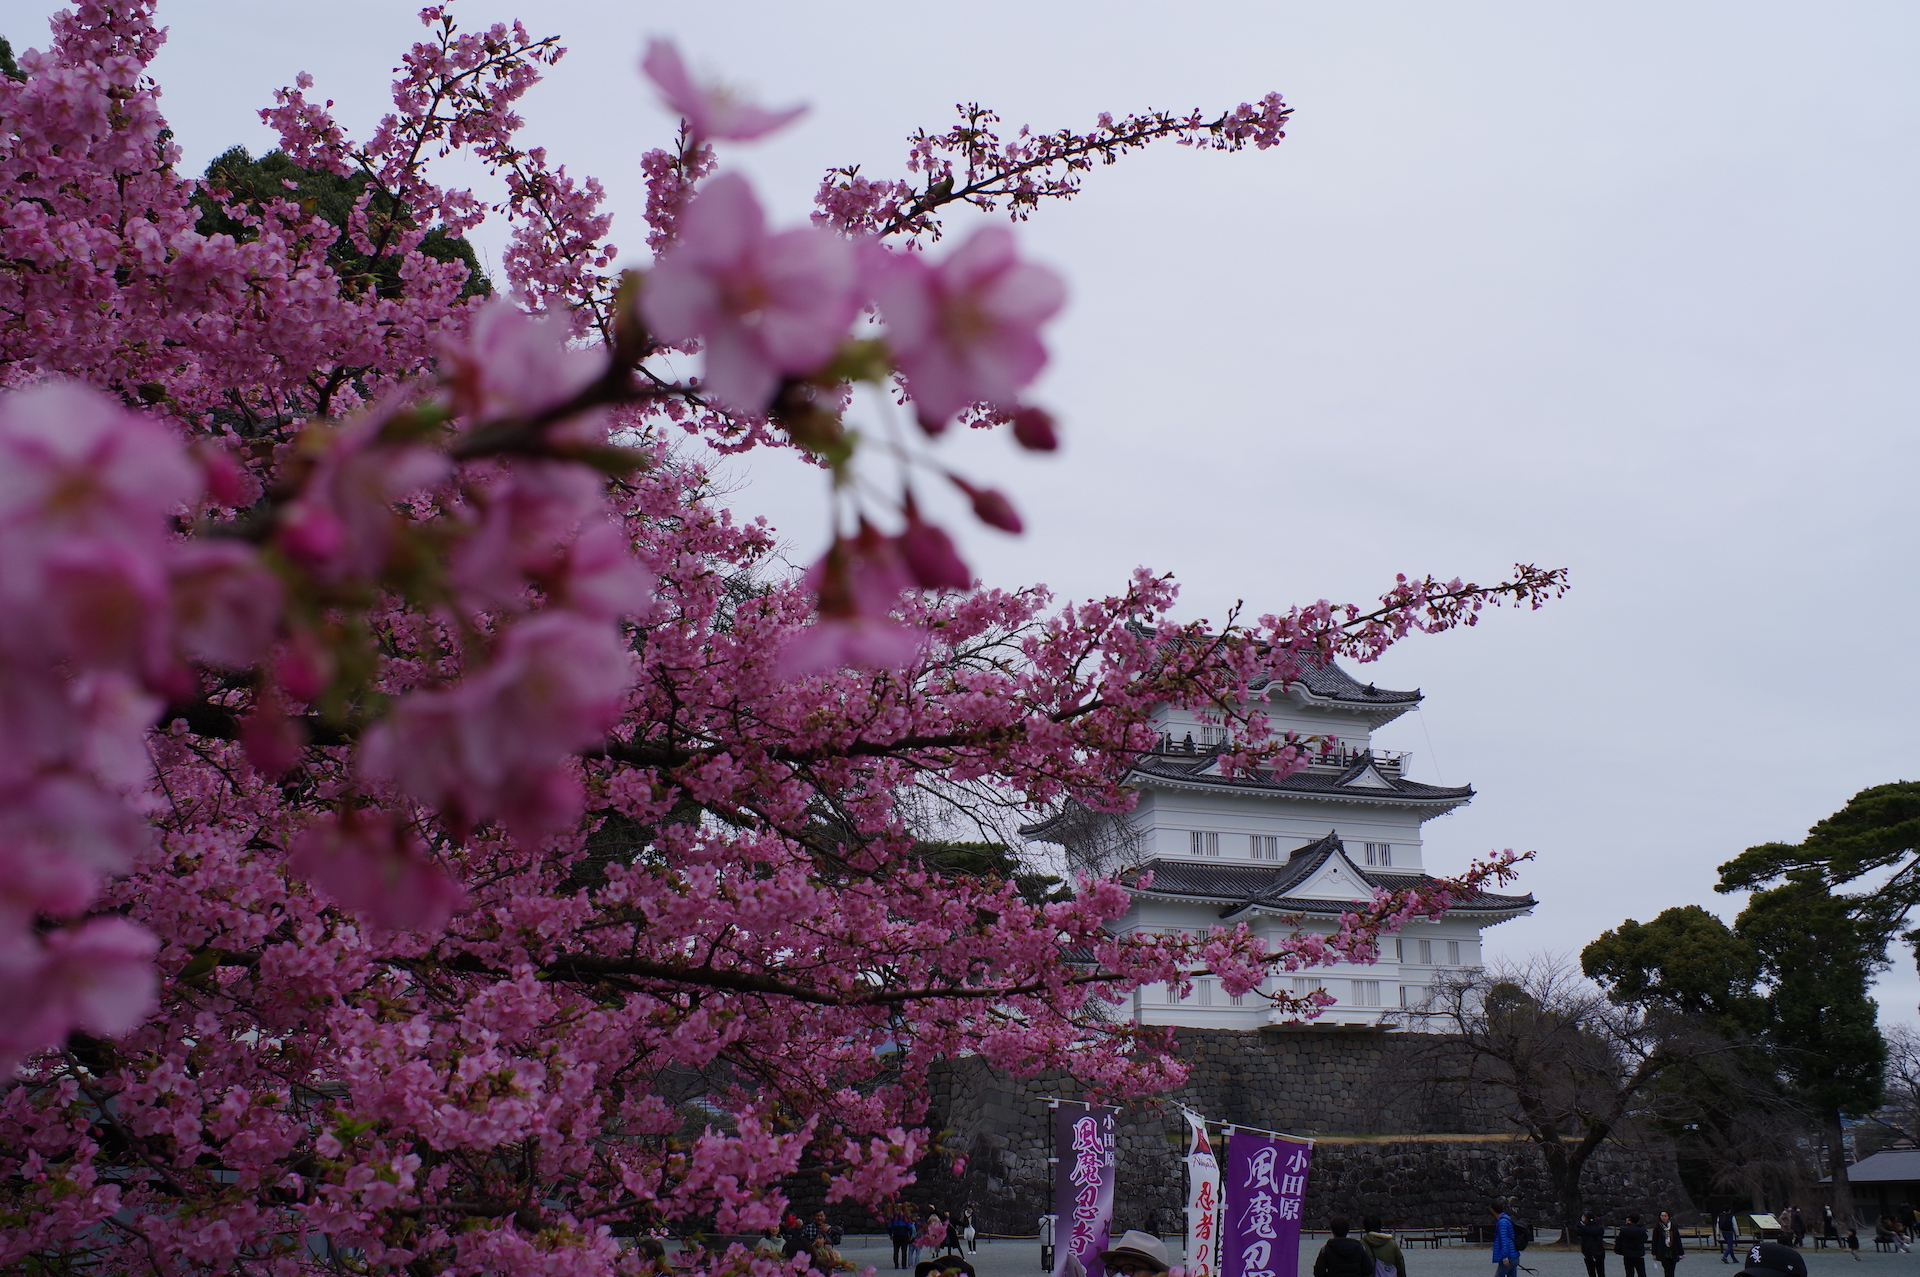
1323	679
1362	781
1241	890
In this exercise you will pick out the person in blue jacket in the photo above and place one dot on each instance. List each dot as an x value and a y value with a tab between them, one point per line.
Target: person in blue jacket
1506	1256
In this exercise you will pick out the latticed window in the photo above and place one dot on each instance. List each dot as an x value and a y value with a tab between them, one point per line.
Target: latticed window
1263	846
1380	853
1203	843
1366	993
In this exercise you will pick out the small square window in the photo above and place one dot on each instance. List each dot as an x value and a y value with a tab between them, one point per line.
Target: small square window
1453	953
1380	853
1366	993
1263	846
1202	843
1426	953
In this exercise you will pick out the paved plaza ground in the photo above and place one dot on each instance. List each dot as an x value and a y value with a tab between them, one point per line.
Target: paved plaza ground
1017	1257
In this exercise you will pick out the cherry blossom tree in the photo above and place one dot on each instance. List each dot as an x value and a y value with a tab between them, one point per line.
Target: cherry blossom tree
436	835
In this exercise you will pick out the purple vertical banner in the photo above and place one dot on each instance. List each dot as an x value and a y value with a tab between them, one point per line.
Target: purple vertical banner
1266	1182
1084	1140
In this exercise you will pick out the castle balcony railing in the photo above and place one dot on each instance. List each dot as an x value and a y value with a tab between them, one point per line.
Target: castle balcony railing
1339	758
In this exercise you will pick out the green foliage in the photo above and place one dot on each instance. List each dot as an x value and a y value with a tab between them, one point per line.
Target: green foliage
1818	960
252	183
993	861
1878	830
8	67
1685	959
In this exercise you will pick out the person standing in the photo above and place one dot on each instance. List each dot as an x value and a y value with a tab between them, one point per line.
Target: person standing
900	1233
1829	1225
1382	1246
1506	1255
971	1234
1046	1242
1669	1248
1799	1227
1592	1236
1728	1229
1342	1256
1630	1243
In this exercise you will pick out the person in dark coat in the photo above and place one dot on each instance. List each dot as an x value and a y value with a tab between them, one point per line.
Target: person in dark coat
1668	1246
1630	1243
1591	1234
1342	1256
1829	1226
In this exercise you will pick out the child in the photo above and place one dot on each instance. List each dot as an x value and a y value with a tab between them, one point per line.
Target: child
1853	1244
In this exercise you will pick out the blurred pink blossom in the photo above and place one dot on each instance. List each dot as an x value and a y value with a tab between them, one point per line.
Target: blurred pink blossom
495	743
711	111
763	305
511	364
364	861
226	604
967	329
98	977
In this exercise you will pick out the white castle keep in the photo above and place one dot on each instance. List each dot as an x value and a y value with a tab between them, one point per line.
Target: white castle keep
1276	854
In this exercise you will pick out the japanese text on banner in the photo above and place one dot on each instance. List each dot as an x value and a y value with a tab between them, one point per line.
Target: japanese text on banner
1266	1185
1085	1139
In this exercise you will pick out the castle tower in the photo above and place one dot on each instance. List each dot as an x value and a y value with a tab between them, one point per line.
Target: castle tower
1275	854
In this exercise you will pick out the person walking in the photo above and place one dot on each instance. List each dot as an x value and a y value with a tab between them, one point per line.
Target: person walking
1852	1243
971	1234
1382	1246
1591	1234
1669	1248
1342	1256
900	1233
1727	1228
1799	1227
1630	1243
1506	1255
917	1235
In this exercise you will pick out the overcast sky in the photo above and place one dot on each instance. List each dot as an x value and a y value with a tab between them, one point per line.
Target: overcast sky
1627	288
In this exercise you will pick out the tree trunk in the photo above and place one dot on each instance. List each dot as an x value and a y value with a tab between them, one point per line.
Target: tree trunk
1837	1168
1564	1170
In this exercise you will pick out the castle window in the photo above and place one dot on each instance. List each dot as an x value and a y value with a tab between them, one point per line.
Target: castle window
1426	953
1263	846
1303	985
1414	995
1201	843
1238	999
1453	953
1366	993
1206	991
1380	853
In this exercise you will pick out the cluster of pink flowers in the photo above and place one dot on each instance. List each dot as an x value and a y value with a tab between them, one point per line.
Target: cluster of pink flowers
423	806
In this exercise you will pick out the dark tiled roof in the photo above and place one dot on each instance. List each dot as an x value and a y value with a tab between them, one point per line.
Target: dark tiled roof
1307	783
1320	675
1324	678
1242	886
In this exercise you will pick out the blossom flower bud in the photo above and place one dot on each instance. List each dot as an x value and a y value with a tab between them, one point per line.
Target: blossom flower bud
989	506
1033	430
930	556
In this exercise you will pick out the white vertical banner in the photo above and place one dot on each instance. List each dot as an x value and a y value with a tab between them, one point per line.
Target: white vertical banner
1203	1200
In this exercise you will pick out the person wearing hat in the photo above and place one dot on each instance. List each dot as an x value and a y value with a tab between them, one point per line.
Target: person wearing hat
1771	1259
945	1266
1136	1254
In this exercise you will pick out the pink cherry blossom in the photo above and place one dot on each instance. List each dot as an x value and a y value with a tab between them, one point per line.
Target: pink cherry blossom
1033	429
967	329
225	602
859	642
98	977
366	862
74	462
512	364
493	745
711	111
762	305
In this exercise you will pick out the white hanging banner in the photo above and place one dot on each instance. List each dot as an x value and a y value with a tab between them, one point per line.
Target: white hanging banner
1203	1201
